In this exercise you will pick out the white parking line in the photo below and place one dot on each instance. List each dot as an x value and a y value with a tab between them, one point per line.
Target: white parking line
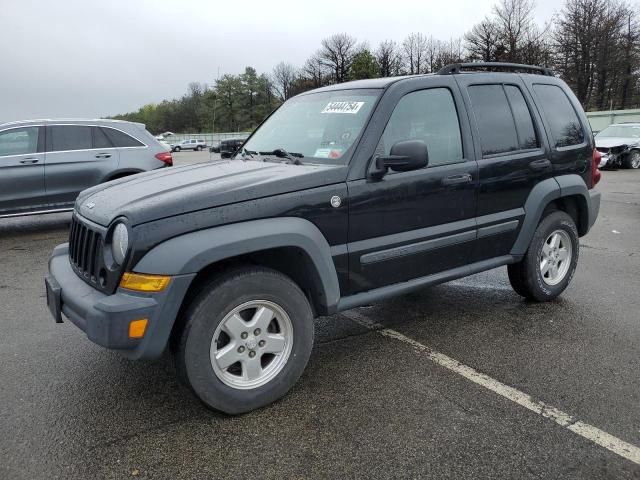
614	444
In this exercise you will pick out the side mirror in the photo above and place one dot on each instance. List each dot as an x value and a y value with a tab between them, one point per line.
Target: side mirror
403	157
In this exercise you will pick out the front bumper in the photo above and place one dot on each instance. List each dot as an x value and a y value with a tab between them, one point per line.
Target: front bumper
105	318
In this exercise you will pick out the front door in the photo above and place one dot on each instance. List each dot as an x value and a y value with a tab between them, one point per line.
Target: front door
416	223
22	170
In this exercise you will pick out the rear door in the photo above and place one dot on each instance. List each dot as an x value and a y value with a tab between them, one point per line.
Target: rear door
512	156
78	157
22	170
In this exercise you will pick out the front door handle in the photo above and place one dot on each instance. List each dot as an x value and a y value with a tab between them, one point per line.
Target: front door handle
103	155
540	165
457	179
28	161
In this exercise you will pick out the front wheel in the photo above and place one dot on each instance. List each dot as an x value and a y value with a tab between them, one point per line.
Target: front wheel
246	340
632	160
198	148
177	149
550	262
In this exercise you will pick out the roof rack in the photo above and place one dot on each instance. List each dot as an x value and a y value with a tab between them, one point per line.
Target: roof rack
455	68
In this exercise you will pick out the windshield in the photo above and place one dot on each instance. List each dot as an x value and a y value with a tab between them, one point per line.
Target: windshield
319	127
628	131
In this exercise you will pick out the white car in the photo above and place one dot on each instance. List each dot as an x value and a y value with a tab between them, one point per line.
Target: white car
619	146
189	144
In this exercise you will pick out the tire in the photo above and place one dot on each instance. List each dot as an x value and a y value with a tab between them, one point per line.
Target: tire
632	160
541	282
177	149
271	302
198	148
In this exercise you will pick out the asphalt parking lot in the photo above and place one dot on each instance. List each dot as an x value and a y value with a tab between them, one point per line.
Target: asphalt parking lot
375	400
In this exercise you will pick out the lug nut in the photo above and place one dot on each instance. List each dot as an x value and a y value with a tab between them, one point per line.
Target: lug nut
256	331
262	343
244	335
252	354
240	349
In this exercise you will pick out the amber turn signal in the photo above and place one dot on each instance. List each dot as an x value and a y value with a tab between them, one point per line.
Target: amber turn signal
144	282
137	328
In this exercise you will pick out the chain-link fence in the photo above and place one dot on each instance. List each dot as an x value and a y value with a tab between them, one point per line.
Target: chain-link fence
209	138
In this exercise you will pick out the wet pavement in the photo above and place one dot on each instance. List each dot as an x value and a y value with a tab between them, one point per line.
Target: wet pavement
368	406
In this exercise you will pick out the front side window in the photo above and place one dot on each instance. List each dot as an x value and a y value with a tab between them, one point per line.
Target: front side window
429	116
19	141
565	126
322	127
121	139
69	137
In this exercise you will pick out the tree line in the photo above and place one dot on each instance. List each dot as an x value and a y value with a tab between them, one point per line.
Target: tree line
594	45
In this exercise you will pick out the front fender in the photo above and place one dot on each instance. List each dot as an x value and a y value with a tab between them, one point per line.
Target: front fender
192	252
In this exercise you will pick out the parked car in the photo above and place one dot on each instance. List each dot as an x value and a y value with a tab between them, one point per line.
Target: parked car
619	146
45	164
189	144
215	148
346	195
230	146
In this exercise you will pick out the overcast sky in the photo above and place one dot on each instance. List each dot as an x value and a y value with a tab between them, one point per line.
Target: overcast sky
84	58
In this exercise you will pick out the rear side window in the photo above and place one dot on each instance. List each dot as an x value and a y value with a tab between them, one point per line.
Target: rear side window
19	141
563	121
524	123
430	116
100	139
121	139
69	137
495	121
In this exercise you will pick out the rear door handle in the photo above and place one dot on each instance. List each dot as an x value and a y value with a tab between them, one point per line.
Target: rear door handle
29	161
457	179
103	155
540	165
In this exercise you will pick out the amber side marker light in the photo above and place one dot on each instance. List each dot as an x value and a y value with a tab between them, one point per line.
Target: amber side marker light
137	328
144	282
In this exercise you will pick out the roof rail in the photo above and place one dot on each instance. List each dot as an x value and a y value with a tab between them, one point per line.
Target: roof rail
494	67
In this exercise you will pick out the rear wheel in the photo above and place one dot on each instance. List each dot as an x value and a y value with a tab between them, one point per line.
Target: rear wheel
632	160
246	340
550	262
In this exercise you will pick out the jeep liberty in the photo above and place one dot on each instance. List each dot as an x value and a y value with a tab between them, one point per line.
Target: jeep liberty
345	195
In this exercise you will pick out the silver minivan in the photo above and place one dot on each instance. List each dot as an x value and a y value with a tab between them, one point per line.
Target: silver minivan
45	164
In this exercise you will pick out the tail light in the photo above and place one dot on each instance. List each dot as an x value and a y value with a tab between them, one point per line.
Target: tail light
165	157
595	171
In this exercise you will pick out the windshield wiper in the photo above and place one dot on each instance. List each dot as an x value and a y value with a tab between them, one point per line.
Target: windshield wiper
247	153
293	158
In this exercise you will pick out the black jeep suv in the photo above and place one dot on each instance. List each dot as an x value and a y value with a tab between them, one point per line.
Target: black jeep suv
345	195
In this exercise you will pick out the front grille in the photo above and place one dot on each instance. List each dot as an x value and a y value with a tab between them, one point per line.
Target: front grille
85	251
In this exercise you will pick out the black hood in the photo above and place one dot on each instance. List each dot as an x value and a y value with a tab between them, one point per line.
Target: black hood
172	191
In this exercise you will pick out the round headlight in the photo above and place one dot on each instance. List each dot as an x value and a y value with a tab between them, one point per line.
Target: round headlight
120	243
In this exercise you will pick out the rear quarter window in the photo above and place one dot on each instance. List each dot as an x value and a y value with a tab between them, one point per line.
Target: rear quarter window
121	139
563	121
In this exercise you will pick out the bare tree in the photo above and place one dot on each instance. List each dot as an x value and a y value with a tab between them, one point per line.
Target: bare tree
337	53
414	48
282	79
482	42
315	71
389	59
515	21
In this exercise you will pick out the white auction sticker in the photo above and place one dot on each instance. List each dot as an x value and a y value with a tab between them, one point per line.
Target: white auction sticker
343	107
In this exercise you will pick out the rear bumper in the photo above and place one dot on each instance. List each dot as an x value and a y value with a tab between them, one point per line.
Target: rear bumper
594	206
105	318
